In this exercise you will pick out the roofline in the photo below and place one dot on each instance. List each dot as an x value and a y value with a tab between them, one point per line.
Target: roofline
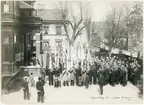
53	21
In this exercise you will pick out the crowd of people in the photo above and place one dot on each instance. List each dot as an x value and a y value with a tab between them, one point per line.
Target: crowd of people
101	70
114	69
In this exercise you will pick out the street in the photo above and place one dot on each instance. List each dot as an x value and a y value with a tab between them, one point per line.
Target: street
79	95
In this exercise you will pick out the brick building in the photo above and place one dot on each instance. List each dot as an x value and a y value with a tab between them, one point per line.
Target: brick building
18	24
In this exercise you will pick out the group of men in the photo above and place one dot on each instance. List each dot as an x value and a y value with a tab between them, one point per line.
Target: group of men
101	70
114	69
39	86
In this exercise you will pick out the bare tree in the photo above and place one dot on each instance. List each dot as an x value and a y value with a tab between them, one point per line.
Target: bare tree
72	14
115	28
135	27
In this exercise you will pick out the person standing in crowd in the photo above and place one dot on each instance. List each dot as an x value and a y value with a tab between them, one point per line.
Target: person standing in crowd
125	78
95	73
137	71
56	81
113	70
25	88
87	80
130	71
101	80
78	73
90	74
84	74
80	80
50	74
43	79
40	90
135	75
106	73
31	80
46	79
65	77
72	76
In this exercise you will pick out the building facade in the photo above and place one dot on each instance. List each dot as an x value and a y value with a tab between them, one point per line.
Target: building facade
52	40
18	24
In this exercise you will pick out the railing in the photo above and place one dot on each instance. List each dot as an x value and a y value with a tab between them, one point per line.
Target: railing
9	17
9	69
30	20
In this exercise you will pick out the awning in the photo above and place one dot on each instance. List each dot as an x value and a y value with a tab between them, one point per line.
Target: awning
24	5
125	52
115	51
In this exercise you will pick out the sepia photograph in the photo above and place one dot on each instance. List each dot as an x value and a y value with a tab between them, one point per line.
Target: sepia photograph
71	52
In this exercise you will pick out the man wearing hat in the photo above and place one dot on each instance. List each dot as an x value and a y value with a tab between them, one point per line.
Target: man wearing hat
40	90
124	75
101	80
25	89
86	82
78	73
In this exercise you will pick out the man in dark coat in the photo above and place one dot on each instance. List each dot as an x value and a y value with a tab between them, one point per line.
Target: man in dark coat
40	90
101	81
51	74
135	75
87	80
25	89
95	73
78	73
90	74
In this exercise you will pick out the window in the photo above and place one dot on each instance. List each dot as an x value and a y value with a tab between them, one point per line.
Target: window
58	30
15	38
6	40
46	28
46	32
34	37
6	53
6	6
58	44
11	39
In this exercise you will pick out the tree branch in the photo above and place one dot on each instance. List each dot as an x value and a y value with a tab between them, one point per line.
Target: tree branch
77	34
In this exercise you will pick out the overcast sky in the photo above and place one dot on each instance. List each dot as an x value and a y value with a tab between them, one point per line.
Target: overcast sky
99	8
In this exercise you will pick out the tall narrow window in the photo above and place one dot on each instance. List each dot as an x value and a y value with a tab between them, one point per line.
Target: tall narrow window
6	53
58	29
6	6
46	32
15	38
6	40
46	28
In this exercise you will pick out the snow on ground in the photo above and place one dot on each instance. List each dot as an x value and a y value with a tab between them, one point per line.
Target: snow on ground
79	95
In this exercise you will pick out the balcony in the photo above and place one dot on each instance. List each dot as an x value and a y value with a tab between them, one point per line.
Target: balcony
9	17
31	21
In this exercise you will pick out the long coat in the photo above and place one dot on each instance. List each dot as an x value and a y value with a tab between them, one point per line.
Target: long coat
101	80
25	86
39	86
84	75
